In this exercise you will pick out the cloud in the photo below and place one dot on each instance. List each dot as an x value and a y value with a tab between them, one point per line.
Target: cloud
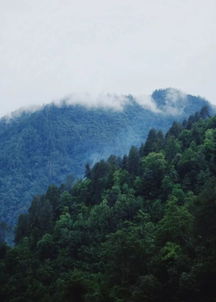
147	102
22	110
175	101
104	101
51	48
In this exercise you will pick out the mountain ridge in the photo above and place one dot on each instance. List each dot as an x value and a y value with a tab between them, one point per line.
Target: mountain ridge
115	102
135	228
44	147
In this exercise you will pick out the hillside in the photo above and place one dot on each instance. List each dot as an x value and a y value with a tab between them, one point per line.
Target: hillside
46	146
136	228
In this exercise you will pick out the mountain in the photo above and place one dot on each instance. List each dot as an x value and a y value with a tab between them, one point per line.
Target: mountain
56	141
137	228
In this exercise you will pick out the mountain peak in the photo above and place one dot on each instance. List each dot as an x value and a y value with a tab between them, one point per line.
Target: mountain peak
175	102
169	101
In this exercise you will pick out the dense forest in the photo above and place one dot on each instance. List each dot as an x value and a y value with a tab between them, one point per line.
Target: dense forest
136	228
46	146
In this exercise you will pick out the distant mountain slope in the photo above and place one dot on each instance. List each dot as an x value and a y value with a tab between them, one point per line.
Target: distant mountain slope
136	228
45	146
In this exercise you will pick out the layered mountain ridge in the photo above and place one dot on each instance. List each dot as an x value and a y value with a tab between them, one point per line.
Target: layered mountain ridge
45	146
137	228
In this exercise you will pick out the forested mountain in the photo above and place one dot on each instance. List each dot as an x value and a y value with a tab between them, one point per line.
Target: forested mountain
45	146
137	228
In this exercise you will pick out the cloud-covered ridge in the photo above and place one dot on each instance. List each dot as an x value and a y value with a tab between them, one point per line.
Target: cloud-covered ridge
164	101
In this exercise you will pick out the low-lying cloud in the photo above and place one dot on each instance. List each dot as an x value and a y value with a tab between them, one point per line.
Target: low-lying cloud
103	101
172	102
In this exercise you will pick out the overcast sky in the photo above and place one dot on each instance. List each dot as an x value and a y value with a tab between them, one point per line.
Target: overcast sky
52	48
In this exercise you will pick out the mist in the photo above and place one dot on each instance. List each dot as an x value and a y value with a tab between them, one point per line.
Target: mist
51	48
174	103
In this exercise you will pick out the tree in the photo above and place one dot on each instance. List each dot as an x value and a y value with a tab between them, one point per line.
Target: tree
133	161
153	168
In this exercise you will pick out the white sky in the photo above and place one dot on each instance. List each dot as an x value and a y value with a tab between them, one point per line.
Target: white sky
52	48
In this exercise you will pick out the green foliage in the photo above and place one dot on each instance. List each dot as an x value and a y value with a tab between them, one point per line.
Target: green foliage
140	228
153	168
52	146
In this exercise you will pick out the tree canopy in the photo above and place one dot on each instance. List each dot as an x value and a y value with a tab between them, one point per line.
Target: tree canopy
137	228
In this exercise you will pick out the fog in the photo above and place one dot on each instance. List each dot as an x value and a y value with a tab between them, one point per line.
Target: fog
52	49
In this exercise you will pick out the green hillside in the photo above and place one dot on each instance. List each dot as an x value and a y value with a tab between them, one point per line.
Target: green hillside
137	228
46	146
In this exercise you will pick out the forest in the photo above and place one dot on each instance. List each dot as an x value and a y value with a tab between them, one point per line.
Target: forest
141	227
46	146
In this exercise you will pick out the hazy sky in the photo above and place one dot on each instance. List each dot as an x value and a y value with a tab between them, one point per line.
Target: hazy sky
52	48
